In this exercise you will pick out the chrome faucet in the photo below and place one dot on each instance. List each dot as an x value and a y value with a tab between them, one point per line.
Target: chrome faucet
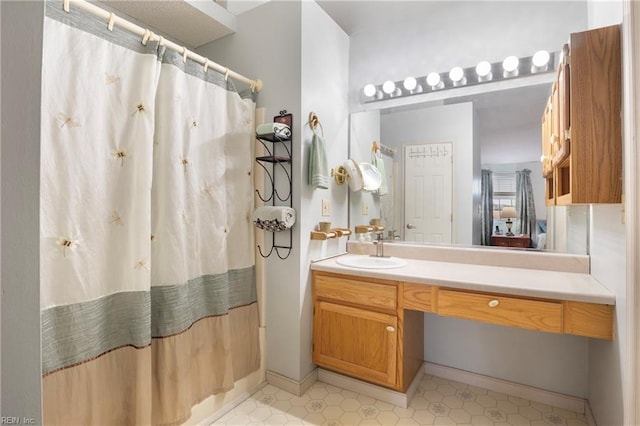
379	243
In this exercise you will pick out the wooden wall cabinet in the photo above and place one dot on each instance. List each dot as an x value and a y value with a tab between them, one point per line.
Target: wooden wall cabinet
359	329
581	123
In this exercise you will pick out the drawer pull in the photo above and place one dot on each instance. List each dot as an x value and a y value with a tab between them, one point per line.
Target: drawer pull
494	303
390	329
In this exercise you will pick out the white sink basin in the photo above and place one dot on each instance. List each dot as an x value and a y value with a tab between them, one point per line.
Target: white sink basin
371	262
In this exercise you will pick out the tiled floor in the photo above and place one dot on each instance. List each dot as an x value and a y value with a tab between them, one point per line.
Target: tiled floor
437	402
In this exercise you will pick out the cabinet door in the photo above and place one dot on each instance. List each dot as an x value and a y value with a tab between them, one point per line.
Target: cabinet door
356	342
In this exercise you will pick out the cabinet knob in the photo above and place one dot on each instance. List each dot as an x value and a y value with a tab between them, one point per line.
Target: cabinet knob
390	329
494	303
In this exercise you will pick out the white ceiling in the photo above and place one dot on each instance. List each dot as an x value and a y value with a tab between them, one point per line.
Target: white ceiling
361	15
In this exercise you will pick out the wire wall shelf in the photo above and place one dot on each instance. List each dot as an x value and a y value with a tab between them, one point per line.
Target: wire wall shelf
278	159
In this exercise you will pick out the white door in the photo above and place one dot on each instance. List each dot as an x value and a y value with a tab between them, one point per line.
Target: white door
428	181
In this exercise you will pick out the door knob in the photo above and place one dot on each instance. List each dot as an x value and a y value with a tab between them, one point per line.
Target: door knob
410	226
390	329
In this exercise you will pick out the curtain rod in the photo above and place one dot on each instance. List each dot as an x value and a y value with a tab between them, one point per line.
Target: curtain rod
112	19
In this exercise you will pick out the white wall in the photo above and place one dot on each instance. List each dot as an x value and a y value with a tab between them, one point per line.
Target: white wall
447	123
553	362
302	57
0	223
607	359
460	33
22	26
325	80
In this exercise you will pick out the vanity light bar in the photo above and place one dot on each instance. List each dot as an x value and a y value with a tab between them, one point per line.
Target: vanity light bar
485	72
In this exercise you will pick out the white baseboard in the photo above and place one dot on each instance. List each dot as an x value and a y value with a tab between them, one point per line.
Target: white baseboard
290	385
554	399
373	391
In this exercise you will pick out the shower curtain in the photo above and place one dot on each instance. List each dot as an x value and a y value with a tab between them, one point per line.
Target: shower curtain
148	298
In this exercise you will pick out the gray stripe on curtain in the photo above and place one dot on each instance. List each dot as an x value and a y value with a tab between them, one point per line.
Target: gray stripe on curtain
72	334
87	22
176	307
75	333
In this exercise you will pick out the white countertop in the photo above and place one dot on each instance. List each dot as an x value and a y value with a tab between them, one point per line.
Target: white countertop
495	279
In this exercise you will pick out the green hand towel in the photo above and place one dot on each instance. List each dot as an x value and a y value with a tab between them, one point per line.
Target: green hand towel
318	166
378	163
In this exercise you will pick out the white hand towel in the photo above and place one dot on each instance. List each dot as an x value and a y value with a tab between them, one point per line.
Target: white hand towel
274	218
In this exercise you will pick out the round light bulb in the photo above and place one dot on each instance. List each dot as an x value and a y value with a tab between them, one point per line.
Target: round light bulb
369	90
388	87
510	63
541	58
433	79
410	83
456	74
483	69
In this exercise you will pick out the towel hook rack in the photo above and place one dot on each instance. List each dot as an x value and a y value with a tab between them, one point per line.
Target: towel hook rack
314	122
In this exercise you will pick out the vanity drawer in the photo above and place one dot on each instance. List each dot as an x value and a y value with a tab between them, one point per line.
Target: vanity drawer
371	293
504	310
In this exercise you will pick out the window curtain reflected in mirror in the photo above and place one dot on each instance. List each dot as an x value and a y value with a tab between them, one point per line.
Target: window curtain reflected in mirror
525	206
486	189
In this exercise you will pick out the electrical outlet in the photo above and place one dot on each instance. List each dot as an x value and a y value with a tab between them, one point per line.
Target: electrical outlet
365	209
326	208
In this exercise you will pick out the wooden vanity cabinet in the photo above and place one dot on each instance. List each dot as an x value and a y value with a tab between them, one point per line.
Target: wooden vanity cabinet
359	329
582	125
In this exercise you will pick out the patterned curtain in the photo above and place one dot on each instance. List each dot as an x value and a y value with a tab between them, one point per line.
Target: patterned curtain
525	206
486	203
202	266
147	266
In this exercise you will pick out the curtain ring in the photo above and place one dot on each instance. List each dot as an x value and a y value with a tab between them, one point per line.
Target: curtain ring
226	75
65	5
184	54
146	36
206	65
112	20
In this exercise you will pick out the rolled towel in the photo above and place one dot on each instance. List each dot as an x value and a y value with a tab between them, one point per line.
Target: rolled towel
278	130
274	218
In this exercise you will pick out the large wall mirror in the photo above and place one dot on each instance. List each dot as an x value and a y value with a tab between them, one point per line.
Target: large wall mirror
455	140
461	131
